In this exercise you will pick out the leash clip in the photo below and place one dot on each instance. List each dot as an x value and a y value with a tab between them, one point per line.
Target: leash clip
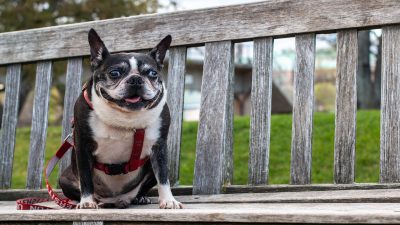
69	139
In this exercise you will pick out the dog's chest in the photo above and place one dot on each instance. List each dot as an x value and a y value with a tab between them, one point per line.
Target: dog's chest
114	146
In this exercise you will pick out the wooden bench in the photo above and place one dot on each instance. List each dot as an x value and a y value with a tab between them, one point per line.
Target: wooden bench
212	198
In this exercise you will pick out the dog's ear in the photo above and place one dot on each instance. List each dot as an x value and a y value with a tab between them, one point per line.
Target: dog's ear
158	52
98	51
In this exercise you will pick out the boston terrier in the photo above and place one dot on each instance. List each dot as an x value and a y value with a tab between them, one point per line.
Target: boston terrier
120	116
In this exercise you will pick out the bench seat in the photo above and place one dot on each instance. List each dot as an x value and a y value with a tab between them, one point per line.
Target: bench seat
332	207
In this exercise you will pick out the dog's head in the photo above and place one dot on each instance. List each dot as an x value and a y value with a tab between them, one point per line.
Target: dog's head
129	81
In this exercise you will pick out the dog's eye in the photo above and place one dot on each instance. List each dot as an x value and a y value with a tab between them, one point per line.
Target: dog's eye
152	73
115	74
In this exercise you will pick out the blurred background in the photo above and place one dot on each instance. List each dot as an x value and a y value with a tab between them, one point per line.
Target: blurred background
27	14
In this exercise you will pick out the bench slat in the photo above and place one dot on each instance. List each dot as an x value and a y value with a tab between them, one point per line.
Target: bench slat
390	111
303	103
39	125
217	213
198	26
346	107
9	124
261	94
176	86
213	164
72	91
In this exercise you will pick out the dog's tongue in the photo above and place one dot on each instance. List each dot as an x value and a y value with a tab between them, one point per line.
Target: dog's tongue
132	100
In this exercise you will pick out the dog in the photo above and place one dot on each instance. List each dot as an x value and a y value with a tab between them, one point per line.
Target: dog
121	114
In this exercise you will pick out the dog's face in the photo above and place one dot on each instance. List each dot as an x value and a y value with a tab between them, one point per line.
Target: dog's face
128	81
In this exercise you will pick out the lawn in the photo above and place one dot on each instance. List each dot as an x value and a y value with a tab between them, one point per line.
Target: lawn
367	149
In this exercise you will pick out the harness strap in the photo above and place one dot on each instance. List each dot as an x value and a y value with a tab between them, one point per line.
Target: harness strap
134	162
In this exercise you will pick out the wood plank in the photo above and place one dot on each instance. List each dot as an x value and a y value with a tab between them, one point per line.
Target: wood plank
390	105
72	92
39	125
346	107
176	88
9	124
337	196
214	137
35	223
88	223
306	213
303	106
14	194
261	95
214	24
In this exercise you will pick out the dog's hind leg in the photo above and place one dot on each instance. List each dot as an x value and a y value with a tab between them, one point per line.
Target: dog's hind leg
141	198
69	184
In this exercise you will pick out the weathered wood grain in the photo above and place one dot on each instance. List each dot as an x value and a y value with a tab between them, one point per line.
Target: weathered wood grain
239	22
14	194
303	103
9	124
88	223
346	106
261	95
72	91
39	125
342	196
36	223
278	213
214	137
176	88
390	105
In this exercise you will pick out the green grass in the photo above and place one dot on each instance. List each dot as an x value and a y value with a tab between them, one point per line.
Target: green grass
367	149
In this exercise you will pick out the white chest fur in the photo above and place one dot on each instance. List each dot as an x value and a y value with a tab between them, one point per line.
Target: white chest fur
114	145
113	131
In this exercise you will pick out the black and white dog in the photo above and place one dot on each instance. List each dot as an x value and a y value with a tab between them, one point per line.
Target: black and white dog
125	94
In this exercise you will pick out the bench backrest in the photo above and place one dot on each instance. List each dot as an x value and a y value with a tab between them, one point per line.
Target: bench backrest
218	29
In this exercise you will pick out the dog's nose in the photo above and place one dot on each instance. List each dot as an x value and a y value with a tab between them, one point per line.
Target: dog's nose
135	81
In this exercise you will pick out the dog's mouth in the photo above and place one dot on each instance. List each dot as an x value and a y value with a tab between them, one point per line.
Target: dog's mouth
132	102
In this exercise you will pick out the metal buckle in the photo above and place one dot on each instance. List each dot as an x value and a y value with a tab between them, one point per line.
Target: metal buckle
69	139
115	169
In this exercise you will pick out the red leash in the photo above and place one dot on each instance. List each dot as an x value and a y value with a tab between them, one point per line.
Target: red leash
133	164
32	203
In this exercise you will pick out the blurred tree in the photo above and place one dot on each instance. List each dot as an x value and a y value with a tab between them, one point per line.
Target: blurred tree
27	14
364	82
369	70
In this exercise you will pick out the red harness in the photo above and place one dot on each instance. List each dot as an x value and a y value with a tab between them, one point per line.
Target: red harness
134	162
111	169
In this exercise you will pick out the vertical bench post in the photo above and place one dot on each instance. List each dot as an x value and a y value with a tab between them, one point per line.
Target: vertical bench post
346	107
9	124
213	166
176	88
303	104
72	92
39	125
260	124
390	105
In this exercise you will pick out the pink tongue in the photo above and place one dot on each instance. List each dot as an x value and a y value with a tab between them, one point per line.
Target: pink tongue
132	100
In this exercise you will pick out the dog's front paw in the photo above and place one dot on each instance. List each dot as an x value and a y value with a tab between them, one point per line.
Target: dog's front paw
170	204
87	203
